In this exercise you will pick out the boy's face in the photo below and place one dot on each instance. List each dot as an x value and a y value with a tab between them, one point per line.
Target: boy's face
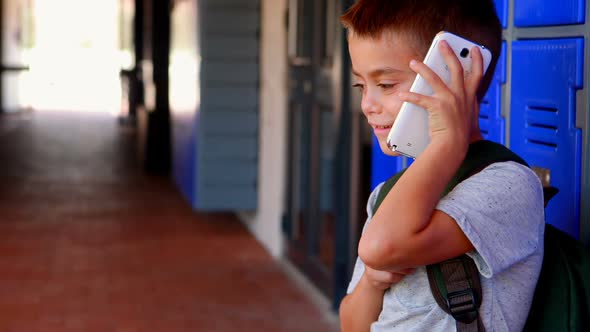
381	70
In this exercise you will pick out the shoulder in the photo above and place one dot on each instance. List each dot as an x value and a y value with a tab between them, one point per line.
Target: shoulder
510	169
502	182
500	210
509	187
373	199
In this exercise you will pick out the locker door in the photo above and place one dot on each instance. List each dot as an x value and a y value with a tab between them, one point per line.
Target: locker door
502	11
546	75
548	12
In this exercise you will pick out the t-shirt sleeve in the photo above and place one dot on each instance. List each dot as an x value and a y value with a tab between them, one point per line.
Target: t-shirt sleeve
500	210
359	266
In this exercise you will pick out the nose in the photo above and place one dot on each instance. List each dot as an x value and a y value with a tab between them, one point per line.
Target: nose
370	104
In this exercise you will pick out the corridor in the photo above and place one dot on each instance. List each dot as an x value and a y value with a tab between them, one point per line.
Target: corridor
89	243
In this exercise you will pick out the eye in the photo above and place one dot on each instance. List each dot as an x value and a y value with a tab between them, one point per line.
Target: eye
358	86
386	86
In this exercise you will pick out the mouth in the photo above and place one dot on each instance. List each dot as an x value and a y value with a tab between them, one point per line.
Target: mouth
381	131
382	127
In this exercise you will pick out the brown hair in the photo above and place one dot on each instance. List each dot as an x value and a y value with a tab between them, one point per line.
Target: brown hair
421	20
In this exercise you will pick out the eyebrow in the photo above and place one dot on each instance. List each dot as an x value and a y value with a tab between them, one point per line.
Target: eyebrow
380	72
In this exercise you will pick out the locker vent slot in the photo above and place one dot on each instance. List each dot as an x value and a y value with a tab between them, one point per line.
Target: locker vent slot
543	109
543	143
542	126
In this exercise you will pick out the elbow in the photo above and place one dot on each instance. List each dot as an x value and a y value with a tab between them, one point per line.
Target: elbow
378	253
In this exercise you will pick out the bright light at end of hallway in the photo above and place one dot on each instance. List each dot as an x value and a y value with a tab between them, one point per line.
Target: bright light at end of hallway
75	62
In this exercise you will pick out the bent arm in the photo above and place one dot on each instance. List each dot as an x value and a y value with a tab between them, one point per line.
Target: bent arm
361	308
407	231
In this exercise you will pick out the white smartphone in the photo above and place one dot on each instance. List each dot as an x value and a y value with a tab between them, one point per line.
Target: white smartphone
409	133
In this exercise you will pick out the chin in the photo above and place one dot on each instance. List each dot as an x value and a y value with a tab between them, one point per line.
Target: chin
391	153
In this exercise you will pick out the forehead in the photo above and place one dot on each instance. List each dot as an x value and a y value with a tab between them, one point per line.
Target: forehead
389	50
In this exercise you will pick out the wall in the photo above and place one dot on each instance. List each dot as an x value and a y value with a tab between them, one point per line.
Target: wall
184	94
215	132
265	224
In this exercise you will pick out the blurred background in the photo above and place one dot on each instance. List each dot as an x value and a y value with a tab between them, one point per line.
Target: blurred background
203	165
55	45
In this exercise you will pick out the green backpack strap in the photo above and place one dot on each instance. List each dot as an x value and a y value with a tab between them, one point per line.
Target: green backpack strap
455	283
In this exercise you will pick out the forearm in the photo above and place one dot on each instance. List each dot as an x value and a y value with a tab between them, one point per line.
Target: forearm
408	208
361	308
418	191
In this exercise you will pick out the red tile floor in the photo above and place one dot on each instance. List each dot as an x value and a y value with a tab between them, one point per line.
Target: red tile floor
89	243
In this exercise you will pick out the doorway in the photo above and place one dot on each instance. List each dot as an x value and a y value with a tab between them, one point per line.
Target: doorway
323	148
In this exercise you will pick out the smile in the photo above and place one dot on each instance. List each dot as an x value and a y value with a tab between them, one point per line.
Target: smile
382	127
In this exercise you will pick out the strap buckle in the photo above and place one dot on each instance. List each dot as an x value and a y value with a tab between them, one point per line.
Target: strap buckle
462	305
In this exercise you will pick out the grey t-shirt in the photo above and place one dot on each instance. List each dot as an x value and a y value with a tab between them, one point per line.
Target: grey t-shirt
500	210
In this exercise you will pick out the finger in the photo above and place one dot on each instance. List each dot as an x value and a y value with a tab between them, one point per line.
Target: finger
476	75
385	276
476	109
457	83
475	118
407	271
426	102
438	85
395	277
378	275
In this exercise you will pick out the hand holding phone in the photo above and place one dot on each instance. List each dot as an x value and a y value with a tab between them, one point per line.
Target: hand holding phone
409	134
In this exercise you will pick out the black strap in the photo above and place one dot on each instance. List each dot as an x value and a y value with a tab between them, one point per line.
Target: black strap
456	288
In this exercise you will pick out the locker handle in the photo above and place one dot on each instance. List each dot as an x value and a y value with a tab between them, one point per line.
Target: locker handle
544	175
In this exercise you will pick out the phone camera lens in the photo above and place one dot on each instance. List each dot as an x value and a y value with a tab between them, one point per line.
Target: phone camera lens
464	53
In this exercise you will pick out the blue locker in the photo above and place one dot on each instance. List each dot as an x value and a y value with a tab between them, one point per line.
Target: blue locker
502	11
529	13
382	165
546	75
491	122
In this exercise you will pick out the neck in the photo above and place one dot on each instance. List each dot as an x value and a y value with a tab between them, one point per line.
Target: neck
475	136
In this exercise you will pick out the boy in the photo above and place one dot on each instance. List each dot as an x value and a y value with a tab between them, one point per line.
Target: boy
495	216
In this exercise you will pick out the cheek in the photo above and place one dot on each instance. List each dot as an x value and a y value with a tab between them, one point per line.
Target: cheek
392	105
392	102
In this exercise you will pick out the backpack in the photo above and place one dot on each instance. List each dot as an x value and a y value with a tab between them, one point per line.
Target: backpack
562	295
